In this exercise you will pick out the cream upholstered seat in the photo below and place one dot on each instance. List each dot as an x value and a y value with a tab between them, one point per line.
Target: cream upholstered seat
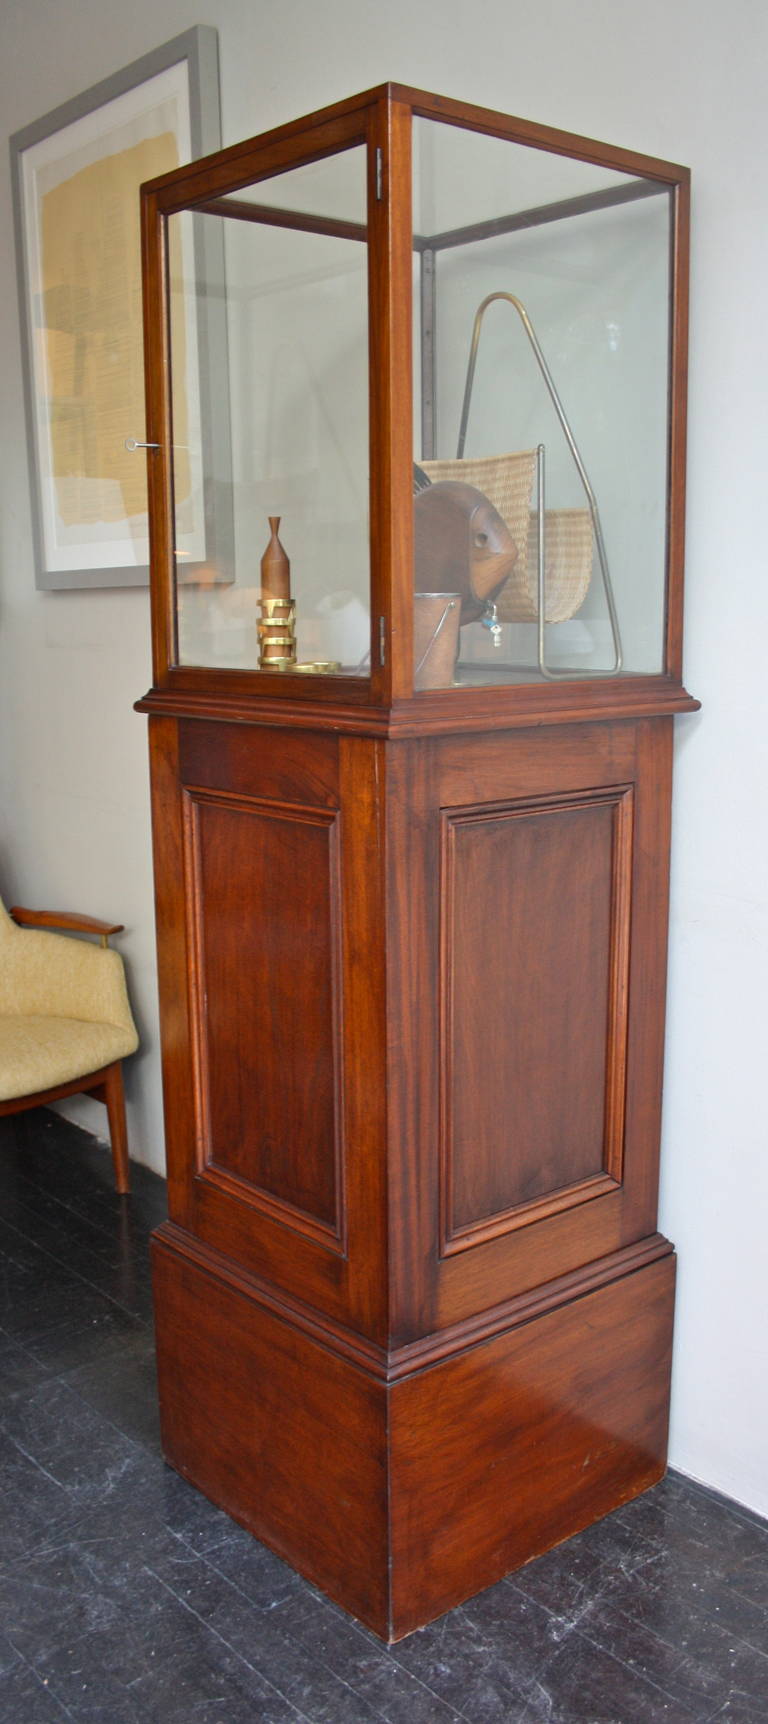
65	1020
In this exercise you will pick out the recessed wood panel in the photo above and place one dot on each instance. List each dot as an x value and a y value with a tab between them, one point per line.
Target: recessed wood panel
265	937
534	942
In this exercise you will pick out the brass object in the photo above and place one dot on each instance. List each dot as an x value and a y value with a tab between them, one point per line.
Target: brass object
307	667
318	666
602	555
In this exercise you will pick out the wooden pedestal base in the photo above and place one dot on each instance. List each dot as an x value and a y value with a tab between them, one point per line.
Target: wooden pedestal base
403	1483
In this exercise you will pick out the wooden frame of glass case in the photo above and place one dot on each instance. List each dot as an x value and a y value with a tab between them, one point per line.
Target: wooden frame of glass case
381	121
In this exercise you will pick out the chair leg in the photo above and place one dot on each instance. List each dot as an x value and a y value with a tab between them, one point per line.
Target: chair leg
114	1097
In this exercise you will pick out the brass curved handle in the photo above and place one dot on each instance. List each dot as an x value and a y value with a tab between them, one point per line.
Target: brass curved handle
602	554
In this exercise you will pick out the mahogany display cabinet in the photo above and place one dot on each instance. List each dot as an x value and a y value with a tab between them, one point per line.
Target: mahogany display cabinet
415	382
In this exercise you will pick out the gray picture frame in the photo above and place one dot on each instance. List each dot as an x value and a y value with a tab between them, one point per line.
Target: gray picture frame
191	63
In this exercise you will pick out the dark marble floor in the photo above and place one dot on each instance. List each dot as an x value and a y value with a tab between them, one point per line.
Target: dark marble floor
126	1598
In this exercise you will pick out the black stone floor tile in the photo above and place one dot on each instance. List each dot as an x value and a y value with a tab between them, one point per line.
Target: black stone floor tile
584	1685
701	1683
19	1369
263	1579
359	1659
30	1503
68	1440
686	1520
568	1579
305	1679
45	1308
483	1657
740	1710
171	1664
112	1259
24	1699
127	1598
123	1387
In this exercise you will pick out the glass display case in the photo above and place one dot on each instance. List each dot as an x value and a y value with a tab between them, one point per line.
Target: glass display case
529	292
416	434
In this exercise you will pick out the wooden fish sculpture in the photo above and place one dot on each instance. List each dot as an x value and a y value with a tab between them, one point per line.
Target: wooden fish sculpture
461	545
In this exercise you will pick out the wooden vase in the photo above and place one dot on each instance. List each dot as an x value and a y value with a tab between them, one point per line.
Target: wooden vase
275	566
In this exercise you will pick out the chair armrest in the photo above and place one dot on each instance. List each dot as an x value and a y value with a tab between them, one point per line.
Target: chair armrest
69	919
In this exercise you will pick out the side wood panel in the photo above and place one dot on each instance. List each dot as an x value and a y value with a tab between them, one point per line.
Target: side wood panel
171	923
533	982
270	935
480	1230
265	908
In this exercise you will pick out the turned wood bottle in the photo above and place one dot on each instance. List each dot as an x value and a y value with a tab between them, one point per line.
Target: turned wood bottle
275	566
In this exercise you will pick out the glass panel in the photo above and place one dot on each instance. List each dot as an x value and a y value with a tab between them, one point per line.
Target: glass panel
268	293
541	300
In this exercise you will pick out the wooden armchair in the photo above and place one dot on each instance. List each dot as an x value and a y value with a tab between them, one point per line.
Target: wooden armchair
65	1020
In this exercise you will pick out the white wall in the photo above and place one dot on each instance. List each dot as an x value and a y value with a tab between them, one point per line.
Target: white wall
684	81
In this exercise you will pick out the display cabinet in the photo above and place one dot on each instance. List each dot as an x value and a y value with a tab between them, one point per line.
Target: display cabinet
415	385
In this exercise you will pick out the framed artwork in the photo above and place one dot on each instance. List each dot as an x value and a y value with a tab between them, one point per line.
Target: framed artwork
76	177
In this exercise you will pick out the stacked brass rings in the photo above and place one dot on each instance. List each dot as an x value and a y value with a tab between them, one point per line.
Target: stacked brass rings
277	634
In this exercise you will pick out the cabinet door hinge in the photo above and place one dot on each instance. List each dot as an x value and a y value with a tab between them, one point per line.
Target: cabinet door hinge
382	641
379	174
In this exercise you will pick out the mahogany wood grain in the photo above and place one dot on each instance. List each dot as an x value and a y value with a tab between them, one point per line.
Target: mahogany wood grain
262	158
654	743
526	973
678	395
70	920
337	1259
180	1081
434	1284
397	790
391	1289
109	1088
340	704
279	764
391	432
285	1435
231	168
242	209
551	138
159	434
402	1499
266	889
507	1450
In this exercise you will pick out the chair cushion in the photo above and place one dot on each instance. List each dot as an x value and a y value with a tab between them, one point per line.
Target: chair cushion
56	976
37	1053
